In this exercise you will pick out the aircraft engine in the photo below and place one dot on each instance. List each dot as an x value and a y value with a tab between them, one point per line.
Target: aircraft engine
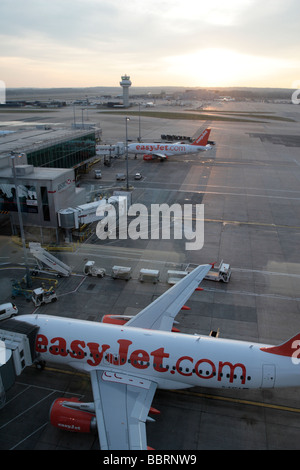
75	416
116	319
123	319
66	414
148	157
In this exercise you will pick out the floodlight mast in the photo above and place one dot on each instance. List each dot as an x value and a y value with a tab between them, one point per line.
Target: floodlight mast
28	278
127	182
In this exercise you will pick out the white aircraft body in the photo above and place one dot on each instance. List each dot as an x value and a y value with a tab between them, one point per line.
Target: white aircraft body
163	150
128	362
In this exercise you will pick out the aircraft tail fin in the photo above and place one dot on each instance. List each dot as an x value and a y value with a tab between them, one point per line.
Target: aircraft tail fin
203	138
290	348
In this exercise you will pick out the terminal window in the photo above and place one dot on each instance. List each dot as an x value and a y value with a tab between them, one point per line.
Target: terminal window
45	204
65	154
27	198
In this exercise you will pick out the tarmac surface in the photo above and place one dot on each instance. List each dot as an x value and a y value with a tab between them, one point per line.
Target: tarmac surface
249	185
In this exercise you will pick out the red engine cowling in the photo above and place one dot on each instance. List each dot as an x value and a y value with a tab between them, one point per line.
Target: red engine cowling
123	319
116	319
148	157
63	416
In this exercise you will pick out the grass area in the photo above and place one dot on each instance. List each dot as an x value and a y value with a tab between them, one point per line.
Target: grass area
252	114
229	112
181	116
25	111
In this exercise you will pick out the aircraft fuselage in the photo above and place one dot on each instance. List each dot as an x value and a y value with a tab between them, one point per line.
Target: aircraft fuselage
172	360
166	149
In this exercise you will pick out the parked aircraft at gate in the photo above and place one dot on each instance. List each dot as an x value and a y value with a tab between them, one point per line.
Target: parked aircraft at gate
164	150
128	362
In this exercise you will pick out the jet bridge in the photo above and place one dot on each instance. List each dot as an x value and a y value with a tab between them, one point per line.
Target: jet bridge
46	261
17	351
73	217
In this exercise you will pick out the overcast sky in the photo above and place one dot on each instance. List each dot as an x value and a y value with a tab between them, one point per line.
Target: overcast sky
61	43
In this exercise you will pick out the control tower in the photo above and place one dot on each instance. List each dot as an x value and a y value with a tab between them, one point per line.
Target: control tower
125	84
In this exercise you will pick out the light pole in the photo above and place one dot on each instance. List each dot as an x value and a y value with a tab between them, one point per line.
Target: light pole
28	279
139	139
126	120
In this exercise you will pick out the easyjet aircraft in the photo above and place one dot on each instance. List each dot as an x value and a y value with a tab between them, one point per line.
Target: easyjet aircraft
128	362
163	151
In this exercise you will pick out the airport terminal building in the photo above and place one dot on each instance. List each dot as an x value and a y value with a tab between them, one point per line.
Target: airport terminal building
46	163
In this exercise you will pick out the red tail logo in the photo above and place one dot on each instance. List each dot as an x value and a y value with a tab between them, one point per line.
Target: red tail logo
203	138
290	349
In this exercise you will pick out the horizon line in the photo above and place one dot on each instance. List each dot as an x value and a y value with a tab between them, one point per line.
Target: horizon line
145	86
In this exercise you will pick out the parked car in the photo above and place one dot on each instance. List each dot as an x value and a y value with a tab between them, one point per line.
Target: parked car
138	176
98	174
8	310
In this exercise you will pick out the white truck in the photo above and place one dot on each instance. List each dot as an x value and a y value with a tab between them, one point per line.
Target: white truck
41	296
219	273
91	270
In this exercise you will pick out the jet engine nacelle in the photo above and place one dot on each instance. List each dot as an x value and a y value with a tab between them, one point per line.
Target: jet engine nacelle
116	319
148	157
123	319
75	416
64	416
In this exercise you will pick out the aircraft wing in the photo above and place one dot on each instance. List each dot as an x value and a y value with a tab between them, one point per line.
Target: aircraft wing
160	314
122	403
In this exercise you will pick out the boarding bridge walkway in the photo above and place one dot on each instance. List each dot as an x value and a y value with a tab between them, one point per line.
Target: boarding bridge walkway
17	351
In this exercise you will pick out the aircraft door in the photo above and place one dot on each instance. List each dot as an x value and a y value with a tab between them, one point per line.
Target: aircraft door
268	375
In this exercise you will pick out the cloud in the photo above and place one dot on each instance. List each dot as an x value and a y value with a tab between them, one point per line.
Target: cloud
101	38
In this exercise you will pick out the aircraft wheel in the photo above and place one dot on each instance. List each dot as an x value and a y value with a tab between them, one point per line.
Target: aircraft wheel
40	365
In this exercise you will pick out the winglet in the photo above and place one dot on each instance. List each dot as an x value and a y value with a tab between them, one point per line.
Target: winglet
285	349
203	138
